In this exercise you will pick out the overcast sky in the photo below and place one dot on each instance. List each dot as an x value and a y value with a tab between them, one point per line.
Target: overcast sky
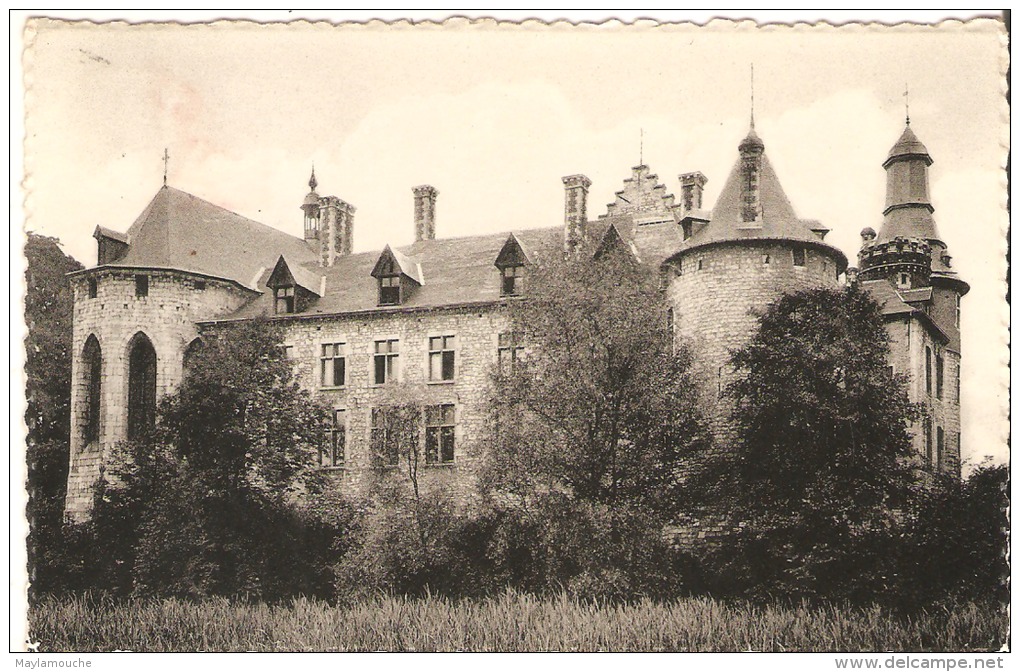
494	116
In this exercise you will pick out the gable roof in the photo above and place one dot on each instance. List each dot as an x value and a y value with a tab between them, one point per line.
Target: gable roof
893	304
612	241
285	274
403	263
183	232
512	254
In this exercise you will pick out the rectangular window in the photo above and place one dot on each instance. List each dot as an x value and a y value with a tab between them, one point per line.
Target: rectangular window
511	351
766	259
441	357
288	352
386	362
513	280
141	286
927	370
701	264
93	288
956	380
927	441
439	434
383	438
941	447
284	300
389	290
333	453
939	370
957	311
799	256
333	365
200	285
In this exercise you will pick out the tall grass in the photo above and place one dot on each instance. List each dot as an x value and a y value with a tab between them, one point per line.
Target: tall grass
507	622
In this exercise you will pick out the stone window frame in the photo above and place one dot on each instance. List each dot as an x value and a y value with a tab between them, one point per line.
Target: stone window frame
445	353
927	370
92	285
341	352
512	280
287	294
141	285
387	295
800	256
440	433
940	373
392	369
335	437
510	349
377	423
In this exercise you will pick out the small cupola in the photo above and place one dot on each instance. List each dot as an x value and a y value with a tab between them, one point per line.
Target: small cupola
310	206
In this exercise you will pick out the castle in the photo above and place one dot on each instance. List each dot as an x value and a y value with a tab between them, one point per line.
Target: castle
430	313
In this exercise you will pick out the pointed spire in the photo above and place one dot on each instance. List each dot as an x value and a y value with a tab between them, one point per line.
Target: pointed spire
906	101
752	96
312	182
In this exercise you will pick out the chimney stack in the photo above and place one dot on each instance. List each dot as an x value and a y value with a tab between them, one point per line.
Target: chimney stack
692	187
425	212
575	213
336	232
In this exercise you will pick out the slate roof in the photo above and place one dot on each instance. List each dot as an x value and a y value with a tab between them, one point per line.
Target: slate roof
777	221
180	231
456	271
908	145
893	303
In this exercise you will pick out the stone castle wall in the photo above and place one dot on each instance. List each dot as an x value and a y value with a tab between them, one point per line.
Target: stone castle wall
167	316
713	294
476	331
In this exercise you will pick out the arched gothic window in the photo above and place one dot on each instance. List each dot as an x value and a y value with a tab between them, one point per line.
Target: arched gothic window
92	383
141	386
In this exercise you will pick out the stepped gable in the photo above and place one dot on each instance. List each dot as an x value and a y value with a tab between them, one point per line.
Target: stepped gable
183	232
642	197
454	271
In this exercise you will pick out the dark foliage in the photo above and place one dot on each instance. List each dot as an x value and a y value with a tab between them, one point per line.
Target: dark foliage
48	311
600	407
222	497
822	467
956	549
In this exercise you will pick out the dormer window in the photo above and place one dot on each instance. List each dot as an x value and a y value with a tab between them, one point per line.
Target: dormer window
294	288
389	290
513	281
398	276
284	300
511	262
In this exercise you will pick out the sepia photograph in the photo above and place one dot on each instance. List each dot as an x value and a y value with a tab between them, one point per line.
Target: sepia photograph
469	333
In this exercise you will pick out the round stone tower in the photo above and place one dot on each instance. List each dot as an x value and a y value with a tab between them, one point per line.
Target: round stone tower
752	249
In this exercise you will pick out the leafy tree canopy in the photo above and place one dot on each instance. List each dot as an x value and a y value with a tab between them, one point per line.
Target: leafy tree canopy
598	405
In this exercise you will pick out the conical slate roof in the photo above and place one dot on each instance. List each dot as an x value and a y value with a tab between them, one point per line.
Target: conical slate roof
183	232
777	220
908	145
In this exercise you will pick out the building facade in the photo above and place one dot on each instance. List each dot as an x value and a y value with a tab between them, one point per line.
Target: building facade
364	328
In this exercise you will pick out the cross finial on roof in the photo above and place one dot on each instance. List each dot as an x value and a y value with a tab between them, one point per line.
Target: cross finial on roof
312	182
166	163
752	95
906	101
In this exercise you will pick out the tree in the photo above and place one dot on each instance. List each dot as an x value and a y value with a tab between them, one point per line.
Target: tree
593	423
822	463
220	488
601	406
48	311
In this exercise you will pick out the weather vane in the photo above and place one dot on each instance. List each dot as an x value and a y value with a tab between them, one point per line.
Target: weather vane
166	163
906	101
752	95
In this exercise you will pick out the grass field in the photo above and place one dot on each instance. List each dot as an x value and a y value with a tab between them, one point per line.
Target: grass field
509	622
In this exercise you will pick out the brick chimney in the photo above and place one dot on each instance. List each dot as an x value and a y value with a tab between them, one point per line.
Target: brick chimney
336	229
692	187
575	212
425	212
